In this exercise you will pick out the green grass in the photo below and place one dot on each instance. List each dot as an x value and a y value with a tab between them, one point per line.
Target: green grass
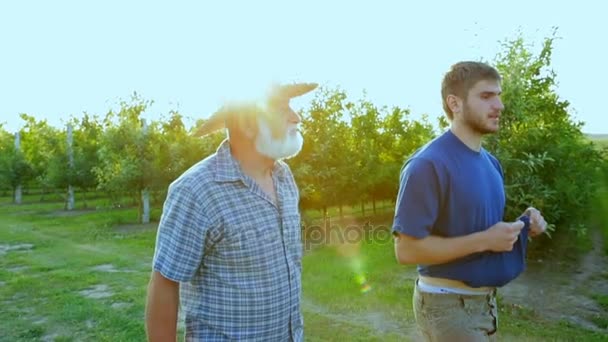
42	288
60	266
602	300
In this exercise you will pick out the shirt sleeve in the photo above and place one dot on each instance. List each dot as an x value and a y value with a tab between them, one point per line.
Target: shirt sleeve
417	205
180	240
497	165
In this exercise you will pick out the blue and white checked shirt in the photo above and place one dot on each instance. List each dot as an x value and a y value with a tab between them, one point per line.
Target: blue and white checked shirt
236	255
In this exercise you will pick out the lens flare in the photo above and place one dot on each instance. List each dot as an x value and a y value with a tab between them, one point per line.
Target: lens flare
362	281
347	242
352	252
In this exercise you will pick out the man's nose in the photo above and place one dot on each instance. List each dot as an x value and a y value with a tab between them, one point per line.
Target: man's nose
294	117
499	105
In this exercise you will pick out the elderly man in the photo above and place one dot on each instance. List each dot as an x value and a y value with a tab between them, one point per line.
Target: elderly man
228	246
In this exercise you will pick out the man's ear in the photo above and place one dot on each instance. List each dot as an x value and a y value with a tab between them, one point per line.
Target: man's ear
249	126
454	103
244	126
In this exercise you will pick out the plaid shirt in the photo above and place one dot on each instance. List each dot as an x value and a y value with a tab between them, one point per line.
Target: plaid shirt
236	254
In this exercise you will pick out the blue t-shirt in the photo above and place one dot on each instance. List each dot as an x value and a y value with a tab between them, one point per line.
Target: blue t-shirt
449	190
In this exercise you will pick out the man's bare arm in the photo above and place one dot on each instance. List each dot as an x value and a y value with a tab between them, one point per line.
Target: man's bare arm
161	309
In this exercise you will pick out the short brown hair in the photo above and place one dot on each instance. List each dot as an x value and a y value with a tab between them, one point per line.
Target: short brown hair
462	77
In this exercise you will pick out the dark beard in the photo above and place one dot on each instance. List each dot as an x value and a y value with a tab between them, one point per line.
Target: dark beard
476	124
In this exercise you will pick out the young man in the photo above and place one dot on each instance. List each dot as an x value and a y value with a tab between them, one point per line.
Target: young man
449	215
228	247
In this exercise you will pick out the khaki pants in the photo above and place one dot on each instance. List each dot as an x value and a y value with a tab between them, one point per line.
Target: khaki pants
453	317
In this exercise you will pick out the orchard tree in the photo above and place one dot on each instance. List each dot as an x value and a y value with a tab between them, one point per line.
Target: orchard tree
324	168
88	133
401	136
126	155
41	144
367	149
14	168
547	160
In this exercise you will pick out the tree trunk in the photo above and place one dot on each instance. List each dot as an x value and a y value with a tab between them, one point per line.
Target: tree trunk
145	193
71	166
17	194
70	204
145	199
374	205
17	191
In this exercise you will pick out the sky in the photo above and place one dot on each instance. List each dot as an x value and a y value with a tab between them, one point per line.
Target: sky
61	58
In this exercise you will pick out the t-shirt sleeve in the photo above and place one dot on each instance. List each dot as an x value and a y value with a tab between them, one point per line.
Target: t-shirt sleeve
497	165
180	240
417	205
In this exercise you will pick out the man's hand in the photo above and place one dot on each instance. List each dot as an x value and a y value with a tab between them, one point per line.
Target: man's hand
538	225
501	236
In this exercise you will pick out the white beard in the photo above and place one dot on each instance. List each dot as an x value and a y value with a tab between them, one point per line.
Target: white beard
277	149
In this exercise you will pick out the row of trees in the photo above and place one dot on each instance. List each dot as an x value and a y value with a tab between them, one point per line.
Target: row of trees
353	149
353	152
